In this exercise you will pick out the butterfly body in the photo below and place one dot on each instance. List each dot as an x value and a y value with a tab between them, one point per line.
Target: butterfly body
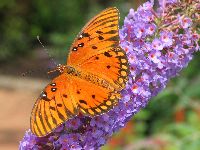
90	83
72	72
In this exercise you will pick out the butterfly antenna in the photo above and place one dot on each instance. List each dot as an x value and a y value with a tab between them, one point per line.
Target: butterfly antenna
46	50
30	72
27	73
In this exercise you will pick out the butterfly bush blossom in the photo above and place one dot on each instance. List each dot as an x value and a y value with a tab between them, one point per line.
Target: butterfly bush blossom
159	44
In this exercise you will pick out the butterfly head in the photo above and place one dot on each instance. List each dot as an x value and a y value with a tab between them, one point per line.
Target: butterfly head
60	68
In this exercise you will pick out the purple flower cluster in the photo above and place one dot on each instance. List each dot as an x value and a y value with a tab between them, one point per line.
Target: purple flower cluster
159	44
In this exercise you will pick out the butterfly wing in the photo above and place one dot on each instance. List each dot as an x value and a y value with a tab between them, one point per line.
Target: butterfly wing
100	34
93	99
96	51
54	106
111	65
64	98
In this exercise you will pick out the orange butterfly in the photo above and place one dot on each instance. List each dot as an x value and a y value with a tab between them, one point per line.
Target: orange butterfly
96	71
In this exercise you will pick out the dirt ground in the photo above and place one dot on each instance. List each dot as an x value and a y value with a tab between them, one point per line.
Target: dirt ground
17	96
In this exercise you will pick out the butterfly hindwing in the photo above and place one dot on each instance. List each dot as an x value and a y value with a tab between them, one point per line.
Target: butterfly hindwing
111	65
93	99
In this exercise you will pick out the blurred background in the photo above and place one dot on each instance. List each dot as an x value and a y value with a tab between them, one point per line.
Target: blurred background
171	121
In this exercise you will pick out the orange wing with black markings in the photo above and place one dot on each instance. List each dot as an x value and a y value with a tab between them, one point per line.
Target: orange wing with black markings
54	106
100	34
97	70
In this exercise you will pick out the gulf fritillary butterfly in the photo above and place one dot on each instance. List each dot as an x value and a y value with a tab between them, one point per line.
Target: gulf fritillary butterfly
97	70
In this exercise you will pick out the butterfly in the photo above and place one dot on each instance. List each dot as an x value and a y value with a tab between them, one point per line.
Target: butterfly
90	83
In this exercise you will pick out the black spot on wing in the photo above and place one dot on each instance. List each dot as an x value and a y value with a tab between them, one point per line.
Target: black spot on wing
108	66
81	45
44	96
101	37
107	54
74	48
99	32
64	95
83	35
53	84
78	92
86	34
52	108
83	102
59	105
94	47
53	89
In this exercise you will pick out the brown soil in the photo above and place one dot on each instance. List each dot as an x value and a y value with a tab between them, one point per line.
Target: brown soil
17	96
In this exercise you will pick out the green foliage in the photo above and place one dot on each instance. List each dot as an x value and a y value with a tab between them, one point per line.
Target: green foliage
22	21
56	22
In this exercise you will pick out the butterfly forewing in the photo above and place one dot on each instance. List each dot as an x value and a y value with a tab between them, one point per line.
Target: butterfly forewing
100	34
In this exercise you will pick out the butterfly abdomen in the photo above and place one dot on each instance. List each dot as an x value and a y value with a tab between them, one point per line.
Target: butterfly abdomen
98	81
